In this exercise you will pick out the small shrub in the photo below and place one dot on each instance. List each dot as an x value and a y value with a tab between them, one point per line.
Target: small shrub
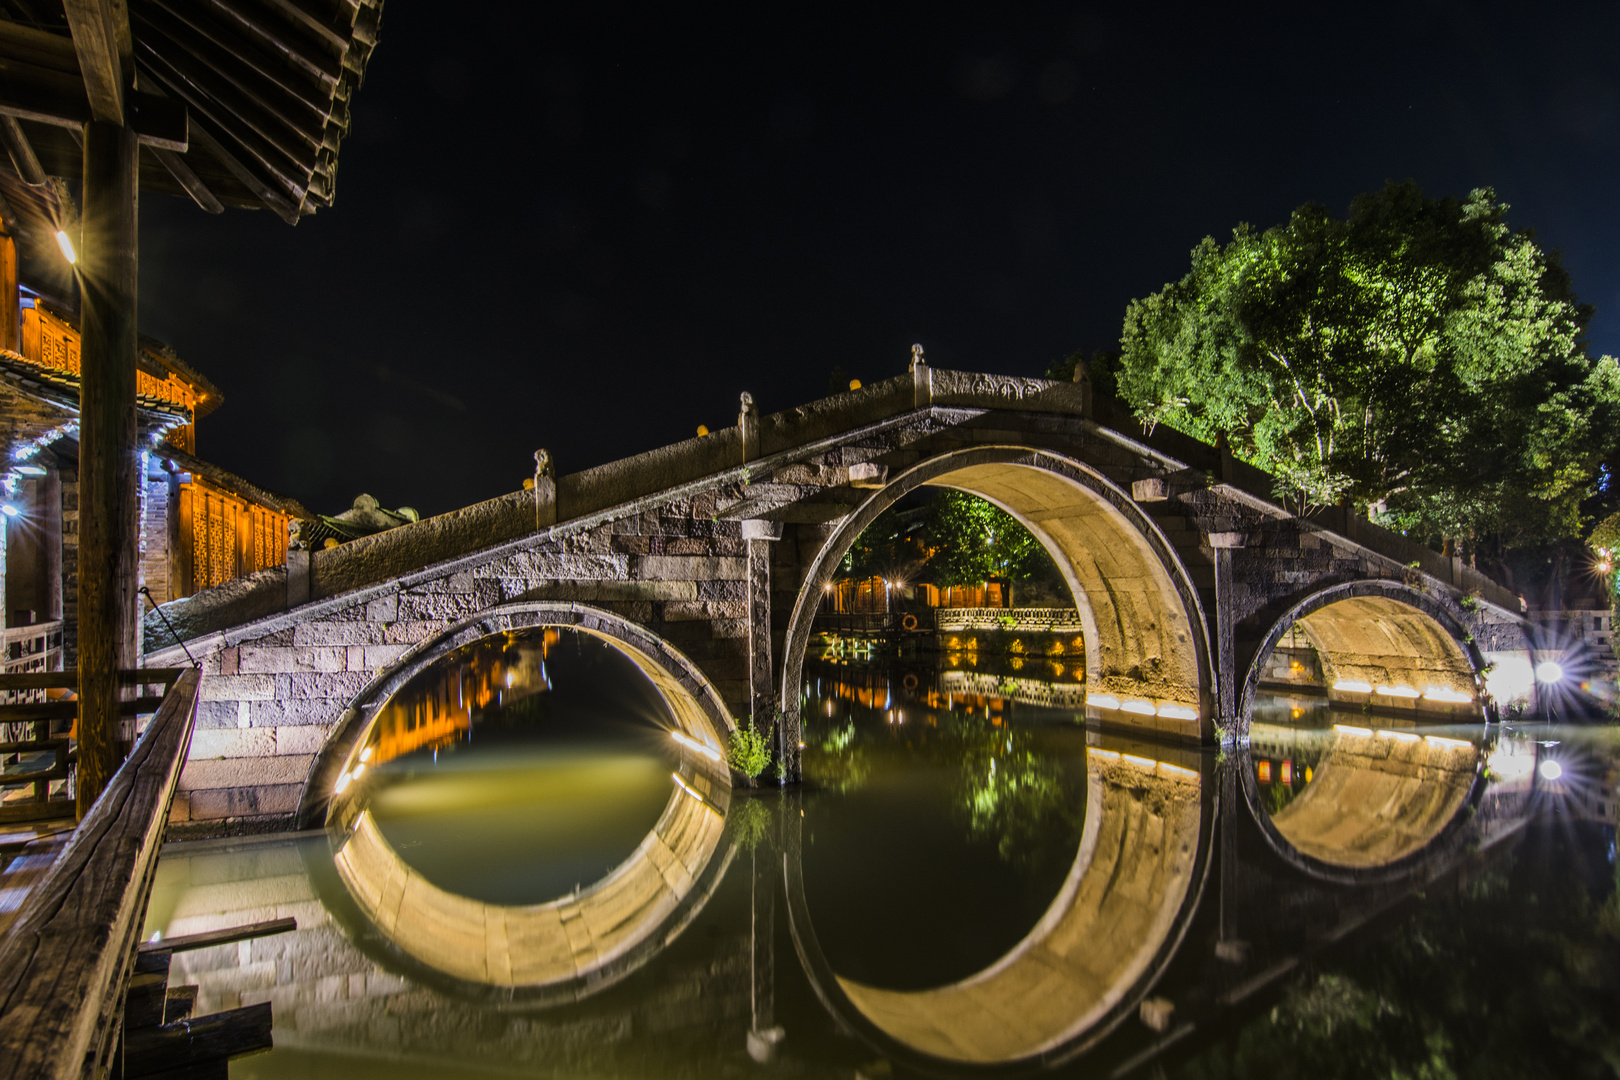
1469	602
749	751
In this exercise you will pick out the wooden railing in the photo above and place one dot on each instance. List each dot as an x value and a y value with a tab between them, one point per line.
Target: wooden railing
37	647
67	960
35	751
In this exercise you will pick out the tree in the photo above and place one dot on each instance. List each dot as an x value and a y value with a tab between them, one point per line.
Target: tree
977	540
1420	359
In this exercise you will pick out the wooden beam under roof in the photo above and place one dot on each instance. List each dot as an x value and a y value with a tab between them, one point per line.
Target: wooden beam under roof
21	150
99	29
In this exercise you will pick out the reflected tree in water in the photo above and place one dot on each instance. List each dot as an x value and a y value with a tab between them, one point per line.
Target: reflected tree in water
1520	977
837	760
1012	794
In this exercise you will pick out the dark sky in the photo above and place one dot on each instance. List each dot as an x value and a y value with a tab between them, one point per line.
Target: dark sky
588	227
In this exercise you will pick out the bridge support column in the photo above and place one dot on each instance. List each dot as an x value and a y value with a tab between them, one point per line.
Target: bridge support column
762	699
1224	543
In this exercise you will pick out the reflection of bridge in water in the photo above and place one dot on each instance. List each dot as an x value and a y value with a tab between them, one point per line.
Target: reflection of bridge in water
1116	961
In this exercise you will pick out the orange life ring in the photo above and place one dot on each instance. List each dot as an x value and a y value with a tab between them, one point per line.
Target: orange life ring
909	622
909	682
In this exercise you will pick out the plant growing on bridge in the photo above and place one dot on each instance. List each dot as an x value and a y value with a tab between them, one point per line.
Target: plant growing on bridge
1419	358
749	750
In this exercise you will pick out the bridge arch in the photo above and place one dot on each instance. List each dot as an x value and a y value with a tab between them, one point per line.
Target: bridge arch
692	699
1117	921
1145	632
1375	634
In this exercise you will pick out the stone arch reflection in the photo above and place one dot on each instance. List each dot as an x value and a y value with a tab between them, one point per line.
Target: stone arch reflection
565	948
1133	887
569	946
1379	799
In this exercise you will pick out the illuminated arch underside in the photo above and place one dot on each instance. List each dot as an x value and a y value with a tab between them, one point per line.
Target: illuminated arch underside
1376	798
1383	642
541	944
1117	908
1139	636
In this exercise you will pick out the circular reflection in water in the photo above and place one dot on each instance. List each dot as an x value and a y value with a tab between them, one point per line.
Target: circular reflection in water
1351	792
1028	962
519	767
518	817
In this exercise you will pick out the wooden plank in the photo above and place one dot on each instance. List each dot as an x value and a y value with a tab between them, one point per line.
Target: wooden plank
33	744
39	680
51	810
43	710
146	998
210	938
64	964
188	180
47	96
181	1001
21	150
152	675
133	706
54	51
97	28
216	1037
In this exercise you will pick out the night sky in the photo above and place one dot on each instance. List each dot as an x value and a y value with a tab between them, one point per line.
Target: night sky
588	227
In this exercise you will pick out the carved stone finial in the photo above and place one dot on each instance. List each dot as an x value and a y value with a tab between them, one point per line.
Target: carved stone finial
916	356
543	465
747	401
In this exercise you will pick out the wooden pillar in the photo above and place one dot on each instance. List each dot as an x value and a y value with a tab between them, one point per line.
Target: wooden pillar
10	316
108	460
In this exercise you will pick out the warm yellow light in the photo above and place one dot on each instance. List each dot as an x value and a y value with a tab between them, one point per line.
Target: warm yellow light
1398	691
65	242
343	782
703	429
854	384
365	755
692	744
1353	686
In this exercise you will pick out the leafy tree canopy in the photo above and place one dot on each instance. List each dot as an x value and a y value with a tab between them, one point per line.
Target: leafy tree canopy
1420	359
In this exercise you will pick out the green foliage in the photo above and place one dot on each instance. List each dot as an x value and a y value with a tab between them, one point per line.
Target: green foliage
751	823
1102	368
837	759
977	540
1012	794
1419	358
749	750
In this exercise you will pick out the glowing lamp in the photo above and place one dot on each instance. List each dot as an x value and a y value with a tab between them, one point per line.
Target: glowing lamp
1551	770
1103	701
1178	712
9	510
1141	708
365	755
65	242
30	470
343	782
1440	693
1353	686
1398	691
1549	671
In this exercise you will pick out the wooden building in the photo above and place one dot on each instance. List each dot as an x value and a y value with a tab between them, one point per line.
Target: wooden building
200	525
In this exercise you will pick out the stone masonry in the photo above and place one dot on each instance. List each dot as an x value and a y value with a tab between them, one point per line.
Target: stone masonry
719	547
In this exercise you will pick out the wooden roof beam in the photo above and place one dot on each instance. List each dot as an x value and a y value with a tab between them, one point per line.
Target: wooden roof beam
21	151
100	31
187	179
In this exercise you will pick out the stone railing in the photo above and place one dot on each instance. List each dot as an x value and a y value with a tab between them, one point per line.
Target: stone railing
1027	620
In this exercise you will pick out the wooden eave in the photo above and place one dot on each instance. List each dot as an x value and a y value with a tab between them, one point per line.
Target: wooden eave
263	88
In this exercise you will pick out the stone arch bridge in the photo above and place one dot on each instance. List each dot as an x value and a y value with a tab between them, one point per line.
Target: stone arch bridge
705	561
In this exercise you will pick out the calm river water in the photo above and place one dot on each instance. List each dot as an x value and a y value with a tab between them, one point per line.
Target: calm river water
531	879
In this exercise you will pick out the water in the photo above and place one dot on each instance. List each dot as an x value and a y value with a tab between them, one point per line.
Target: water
530	880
